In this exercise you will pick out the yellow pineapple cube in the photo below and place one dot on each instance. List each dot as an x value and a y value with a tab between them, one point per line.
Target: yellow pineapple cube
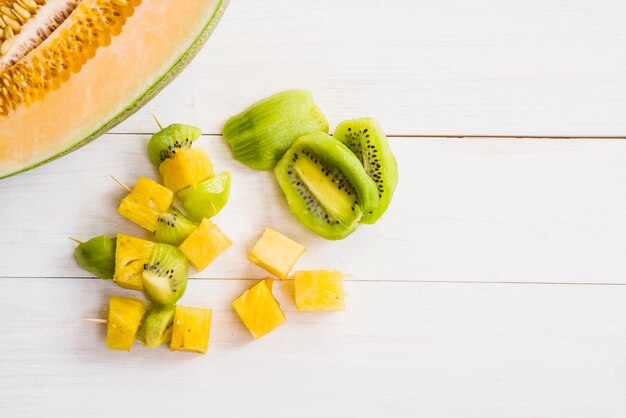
192	327
258	309
145	203
125	316
186	168
319	290
276	253
130	255
204	244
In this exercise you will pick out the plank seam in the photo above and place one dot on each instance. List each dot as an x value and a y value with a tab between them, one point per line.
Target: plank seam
351	280
451	136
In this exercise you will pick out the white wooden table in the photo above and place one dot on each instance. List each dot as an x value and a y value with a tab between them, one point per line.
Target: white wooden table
493	287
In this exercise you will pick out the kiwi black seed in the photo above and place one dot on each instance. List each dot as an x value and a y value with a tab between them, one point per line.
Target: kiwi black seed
173	227
366	139
325	184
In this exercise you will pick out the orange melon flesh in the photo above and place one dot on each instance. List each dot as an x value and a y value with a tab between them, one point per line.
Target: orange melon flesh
155	43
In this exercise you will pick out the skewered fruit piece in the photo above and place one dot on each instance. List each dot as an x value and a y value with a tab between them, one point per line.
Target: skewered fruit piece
156	327
204	244
131	254
276	253
260	135
319	290
258	309
170	140
97	256
186	168
125	315
173	227
207	198
192	328
165	274
146	201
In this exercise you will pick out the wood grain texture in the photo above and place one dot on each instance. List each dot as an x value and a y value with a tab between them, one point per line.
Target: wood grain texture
489	67
464	210
434	326
447	350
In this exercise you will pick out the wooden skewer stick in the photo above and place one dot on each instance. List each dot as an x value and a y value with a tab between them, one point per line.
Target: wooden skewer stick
121	184
157	121
96	320
76	240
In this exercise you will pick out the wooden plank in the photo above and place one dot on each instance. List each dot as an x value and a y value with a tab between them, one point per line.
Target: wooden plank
465	210
440	350
429	67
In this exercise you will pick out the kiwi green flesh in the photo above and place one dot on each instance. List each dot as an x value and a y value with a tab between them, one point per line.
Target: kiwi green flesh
325	185
165	274
97	256
173	227
260	135
207	198
165	143
368	142
156	326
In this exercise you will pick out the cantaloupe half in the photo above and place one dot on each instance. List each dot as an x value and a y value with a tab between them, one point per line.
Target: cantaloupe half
107	59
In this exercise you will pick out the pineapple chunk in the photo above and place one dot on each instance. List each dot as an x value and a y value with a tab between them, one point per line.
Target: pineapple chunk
192	327
204	244
258	309
125	316
145	203
276	253
319	290
130	256
186	168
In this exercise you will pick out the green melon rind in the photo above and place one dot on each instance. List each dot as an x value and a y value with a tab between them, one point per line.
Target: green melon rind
148	95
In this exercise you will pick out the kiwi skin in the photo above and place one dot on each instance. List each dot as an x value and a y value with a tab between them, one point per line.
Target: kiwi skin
97	256
367	140
332	154
260	135
170	139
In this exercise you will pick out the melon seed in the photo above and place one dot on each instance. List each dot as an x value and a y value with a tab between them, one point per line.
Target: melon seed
15	25
8	33
4	48
29	4
19	10
7	11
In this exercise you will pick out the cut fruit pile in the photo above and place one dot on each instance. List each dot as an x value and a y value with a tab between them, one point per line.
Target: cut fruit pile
332	183
160	268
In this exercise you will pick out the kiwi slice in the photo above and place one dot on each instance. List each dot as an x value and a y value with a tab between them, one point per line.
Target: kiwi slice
368	142
97	256
156	326
173	227
260	135
165	143
165	274
325	184
207	198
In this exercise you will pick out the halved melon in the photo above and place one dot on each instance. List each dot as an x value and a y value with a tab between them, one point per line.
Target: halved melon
99	66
